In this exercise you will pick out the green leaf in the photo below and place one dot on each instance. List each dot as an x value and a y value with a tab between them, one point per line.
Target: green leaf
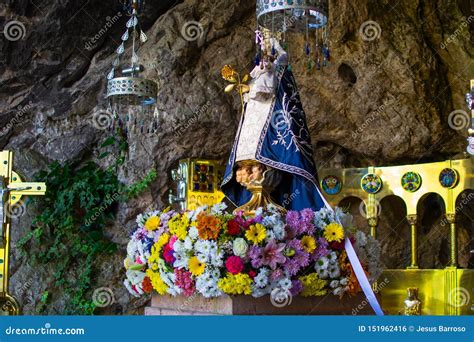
109	141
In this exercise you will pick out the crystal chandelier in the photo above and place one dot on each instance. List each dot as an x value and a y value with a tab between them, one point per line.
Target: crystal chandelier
299	16
131	97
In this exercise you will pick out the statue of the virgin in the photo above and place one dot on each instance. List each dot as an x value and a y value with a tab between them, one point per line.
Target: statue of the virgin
272	157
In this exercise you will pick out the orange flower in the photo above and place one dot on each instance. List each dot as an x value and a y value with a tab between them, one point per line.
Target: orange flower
228	73
353	284
146	285
208	226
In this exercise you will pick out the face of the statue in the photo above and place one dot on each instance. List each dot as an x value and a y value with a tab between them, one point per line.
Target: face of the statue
243	174
257	173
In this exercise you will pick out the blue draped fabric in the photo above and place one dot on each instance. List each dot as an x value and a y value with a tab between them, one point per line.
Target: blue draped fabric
285	145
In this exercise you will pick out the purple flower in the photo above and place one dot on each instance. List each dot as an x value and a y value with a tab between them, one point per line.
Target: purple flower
307	217
255	255
296	287
272	254
291	267
295	244
276	274
294	264
301	258
300	222
321	249
165	217
293	218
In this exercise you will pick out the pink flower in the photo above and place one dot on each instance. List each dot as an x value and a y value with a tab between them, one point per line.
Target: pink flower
173	239
272	254
184	281
234	264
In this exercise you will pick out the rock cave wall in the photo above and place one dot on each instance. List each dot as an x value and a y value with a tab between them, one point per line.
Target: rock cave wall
380	102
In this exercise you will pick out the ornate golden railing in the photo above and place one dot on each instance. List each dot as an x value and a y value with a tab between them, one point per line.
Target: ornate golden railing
444	291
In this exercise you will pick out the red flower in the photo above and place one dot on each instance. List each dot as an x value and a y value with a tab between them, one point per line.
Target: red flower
252	274
234	264
233	227
340	245
168	254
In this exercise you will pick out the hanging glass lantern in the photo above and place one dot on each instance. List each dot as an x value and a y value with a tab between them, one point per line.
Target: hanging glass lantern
292	15
299	16
131	97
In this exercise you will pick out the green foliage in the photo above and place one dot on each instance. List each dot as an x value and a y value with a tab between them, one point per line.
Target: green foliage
67	236
135	189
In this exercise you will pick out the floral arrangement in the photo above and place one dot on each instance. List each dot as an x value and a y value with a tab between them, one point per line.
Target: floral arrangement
212	252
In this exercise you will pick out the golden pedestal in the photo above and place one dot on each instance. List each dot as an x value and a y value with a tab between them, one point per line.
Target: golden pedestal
251	174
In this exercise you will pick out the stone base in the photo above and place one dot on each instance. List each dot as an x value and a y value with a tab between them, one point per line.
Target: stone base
247	305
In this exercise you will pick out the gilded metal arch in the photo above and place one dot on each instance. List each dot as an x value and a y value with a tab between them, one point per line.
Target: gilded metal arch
470	196
426	194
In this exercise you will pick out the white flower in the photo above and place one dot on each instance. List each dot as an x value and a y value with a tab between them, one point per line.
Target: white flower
270	235
218	208
134	292
322	273
240	247
279	230
135	277
323	217
203	249
169	278
181	260
321	264
334	271
206	284
259	292
338	291
344	281
261	279
140	221
285	283
217	258
188	244
334	283
193	233
258	211
274	223
332	257
178	246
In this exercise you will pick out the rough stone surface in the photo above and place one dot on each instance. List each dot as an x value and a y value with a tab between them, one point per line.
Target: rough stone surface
380	102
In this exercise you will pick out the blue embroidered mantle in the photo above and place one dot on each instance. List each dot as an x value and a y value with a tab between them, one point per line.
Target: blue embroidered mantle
285	145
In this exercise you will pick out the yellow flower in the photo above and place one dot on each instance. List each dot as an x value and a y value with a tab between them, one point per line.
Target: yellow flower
195	266
312	285
334	232
228	73
308	243
162	240
239	283
157	282
178	225
152	223
256	233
